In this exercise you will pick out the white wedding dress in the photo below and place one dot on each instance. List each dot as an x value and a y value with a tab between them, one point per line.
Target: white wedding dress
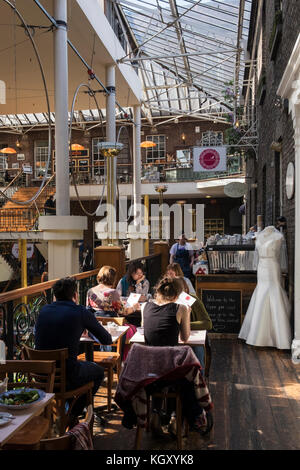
267	321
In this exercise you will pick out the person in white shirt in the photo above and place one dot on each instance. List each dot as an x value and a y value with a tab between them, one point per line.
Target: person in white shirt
182	253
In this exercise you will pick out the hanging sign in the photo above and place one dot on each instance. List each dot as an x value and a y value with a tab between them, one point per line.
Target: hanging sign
29	247
27	169
210	158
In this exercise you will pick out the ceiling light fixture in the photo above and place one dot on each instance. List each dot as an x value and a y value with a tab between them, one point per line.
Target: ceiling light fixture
8	150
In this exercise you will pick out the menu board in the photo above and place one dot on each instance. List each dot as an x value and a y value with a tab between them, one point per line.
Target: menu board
224	308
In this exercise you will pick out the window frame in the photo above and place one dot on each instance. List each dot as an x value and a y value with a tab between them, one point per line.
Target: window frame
38	145
159	151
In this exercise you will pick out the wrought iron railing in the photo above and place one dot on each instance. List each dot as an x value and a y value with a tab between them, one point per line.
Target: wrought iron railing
18	319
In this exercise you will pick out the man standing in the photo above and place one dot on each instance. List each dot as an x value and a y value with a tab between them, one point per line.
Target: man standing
49	206
60	325
183	254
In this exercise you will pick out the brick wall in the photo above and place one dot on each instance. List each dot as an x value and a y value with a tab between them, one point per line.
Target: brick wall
274	125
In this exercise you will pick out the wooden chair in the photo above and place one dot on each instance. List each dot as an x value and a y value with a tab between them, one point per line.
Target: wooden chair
33	374
62	396
66	442
117	355
108	359
164	395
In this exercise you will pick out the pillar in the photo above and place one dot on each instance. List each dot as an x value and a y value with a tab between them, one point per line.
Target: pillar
137	237
62	234
61	108
289	88
146	222
113	256
111	161
163	249
23	260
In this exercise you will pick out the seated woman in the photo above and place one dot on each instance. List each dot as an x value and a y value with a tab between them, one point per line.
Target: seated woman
164	321
105	300
174	270
200	320
134	281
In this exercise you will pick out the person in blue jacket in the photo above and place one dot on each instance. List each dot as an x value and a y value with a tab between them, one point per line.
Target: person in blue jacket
60	325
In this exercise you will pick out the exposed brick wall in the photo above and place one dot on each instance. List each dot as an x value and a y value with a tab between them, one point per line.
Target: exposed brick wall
275	124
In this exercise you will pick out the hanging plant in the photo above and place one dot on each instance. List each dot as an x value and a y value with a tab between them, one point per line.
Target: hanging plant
228	93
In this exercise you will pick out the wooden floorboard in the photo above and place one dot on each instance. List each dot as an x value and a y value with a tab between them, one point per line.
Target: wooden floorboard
256	396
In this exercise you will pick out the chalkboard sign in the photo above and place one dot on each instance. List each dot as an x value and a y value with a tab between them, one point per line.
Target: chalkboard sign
224	308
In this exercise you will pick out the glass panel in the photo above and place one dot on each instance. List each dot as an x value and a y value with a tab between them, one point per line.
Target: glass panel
183	158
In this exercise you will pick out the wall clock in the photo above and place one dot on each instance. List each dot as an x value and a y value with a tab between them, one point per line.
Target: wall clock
290	180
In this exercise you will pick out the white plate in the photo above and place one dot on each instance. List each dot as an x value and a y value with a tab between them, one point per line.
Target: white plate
41	394
5	418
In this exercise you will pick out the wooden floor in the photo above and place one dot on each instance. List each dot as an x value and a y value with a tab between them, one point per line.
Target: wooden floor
256	396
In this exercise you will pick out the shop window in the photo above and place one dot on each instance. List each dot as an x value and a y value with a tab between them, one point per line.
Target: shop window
40	158
156	154
212	138
3	163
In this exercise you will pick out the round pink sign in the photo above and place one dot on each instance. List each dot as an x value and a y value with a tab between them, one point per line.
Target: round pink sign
209	159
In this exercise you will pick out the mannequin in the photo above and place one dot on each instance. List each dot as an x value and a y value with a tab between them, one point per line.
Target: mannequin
267	321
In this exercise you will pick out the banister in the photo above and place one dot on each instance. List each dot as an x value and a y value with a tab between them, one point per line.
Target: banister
12	181
41	287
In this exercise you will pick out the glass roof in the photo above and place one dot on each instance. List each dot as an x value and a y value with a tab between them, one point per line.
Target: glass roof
187	54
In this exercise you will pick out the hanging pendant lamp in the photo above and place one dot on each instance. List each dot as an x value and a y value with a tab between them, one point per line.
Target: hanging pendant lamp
9	150
148	144
77	147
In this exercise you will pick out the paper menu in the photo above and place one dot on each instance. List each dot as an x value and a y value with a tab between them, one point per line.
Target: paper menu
185	299
133	299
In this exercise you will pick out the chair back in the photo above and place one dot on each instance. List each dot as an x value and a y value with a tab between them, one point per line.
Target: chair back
57	355
29	373
66	442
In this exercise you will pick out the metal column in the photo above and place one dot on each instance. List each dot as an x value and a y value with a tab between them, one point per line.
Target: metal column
61	108
111	170
136	159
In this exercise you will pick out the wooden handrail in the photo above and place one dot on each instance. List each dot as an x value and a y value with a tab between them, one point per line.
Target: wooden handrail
12	181
142	258
41	287
47	183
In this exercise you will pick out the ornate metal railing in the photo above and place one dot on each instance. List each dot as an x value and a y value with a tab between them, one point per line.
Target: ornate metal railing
18	319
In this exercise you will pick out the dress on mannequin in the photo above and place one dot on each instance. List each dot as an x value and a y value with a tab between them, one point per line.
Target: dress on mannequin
267	321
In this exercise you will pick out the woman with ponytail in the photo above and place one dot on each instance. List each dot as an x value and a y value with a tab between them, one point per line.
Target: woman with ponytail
163	319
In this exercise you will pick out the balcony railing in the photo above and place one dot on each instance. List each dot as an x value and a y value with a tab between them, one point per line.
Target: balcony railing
162	171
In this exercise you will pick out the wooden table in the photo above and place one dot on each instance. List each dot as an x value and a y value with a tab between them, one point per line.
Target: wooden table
196	338
22	417
116	341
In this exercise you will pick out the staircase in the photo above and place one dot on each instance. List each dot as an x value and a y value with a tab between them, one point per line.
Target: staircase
6	271
17	218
